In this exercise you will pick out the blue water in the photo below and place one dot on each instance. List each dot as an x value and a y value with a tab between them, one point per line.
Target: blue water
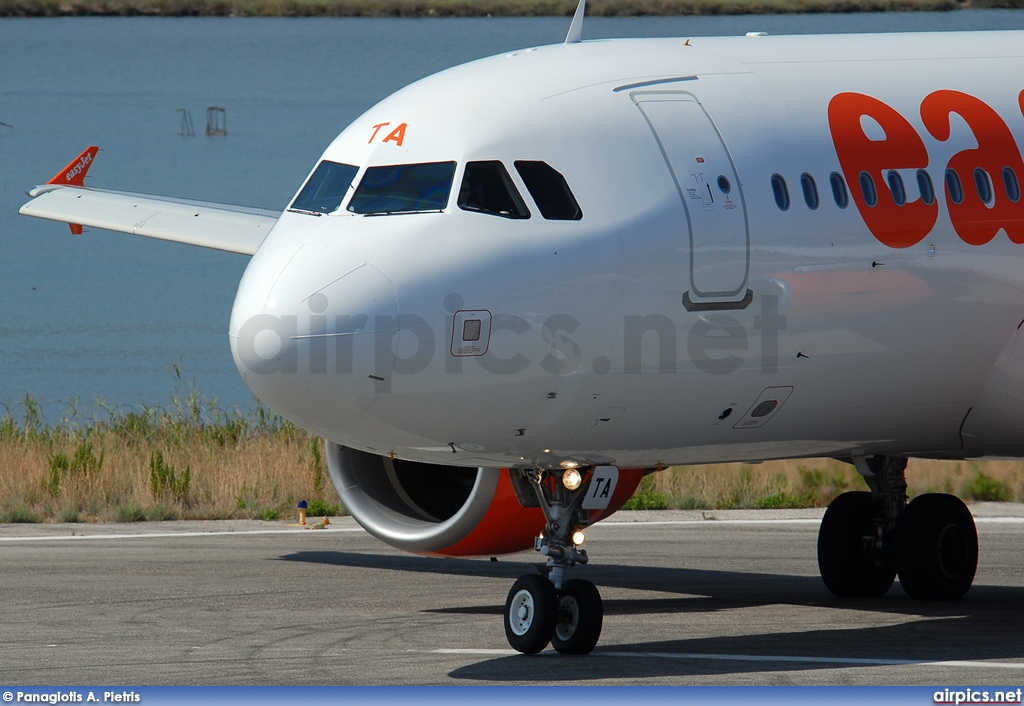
104	316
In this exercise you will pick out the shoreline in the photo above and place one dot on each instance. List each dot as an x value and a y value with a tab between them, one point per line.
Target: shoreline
471	8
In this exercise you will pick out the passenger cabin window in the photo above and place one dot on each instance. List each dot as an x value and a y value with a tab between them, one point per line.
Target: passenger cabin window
404	188
780	191
839	193
954	187
867	189
983	183
810	189
899	191
1011	185
487	188
549	191
924	185
325	189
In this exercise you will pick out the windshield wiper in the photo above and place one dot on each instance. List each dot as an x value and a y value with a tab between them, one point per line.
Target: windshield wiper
401	213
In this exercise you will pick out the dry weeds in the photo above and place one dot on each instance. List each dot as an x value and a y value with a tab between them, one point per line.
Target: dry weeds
193	460
189	461
108	477
815	482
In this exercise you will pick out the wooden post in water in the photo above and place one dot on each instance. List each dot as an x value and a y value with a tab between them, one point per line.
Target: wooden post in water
187	128
216	121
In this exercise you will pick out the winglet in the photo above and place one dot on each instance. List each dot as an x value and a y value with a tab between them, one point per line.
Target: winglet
74	175
575	34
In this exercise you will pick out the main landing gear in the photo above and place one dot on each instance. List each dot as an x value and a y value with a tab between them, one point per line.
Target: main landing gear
550	609
866	539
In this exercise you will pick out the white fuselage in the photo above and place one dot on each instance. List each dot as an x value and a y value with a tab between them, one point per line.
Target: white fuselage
682	319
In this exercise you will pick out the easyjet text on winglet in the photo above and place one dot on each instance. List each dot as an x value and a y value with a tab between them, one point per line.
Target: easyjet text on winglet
84	162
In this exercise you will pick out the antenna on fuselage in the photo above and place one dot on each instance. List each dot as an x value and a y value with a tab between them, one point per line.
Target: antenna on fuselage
576	28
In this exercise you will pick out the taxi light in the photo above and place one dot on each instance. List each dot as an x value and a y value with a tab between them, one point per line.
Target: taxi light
578	537
571	479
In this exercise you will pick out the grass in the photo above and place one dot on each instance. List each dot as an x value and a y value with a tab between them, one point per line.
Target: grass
647	498
188	460
16	512
466	8
815	482
194	460
774	485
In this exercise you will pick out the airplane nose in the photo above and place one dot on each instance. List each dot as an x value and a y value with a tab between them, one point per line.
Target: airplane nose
311	331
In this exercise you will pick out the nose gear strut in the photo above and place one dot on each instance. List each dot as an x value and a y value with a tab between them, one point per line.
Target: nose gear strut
566	613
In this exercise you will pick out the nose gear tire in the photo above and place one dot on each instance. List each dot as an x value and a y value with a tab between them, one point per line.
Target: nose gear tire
531	611
580	618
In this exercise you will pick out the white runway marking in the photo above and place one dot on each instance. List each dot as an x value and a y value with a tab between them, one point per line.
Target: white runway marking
151	535
790	521
603	525
852	661
710	521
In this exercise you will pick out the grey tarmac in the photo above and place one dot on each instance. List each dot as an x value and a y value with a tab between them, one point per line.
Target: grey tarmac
691	597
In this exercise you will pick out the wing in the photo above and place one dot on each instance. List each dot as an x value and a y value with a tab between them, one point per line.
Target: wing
219	226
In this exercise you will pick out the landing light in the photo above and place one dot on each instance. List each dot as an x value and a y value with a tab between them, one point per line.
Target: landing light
578	537
571	479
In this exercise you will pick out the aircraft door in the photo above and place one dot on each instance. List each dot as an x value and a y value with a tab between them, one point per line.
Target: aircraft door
709	188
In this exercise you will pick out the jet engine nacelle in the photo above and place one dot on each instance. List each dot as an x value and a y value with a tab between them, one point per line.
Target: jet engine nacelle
445	510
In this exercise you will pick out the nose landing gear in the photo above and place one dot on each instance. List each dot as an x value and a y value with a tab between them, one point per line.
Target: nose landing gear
539	610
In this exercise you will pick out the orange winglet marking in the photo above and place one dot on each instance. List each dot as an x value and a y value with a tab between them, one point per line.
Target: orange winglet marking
74	175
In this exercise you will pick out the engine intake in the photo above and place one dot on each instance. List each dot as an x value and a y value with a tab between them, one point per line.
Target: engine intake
431	509
426	508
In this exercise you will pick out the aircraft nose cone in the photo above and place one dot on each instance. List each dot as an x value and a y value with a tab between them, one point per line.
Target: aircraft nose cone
311	331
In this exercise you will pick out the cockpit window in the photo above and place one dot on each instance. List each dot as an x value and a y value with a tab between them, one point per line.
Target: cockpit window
404	188
487	188
325	189
549	190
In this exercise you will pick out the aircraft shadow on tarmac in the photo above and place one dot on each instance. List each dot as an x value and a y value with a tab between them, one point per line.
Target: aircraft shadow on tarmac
984	625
